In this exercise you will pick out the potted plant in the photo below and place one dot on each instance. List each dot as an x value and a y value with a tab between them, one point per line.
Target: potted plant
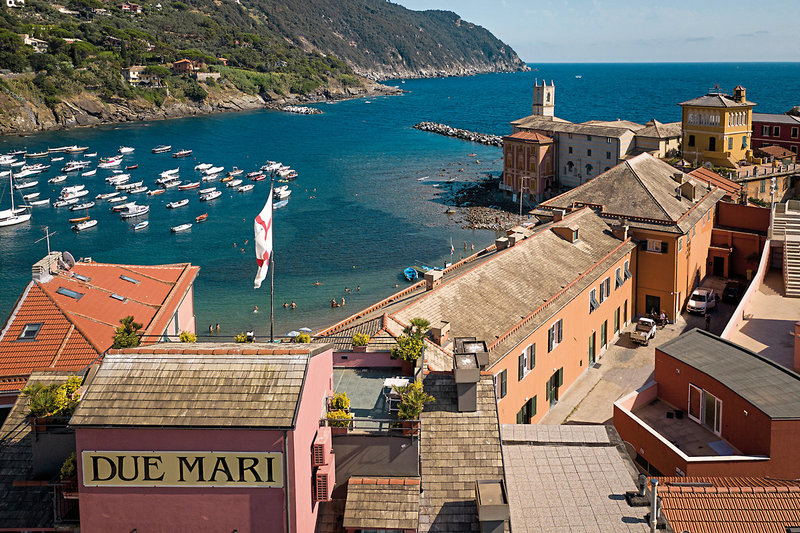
339	421
410	345
188	336
412	402
360	341
303	338
339	402
52	401
126	336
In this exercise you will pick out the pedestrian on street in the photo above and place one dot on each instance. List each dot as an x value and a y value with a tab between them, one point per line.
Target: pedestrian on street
708	321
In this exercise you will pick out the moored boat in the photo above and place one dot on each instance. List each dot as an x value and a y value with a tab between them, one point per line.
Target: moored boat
234	183
84	225
155	192
226	179
78	207
93	154
32	155
187	186
283	194
171	183
31	196
90	173
141	225
132	167
118	199
235	171
13	216
26	185
212	177
126	150
179	203
161	149
65	202
106	196
182	227
210	196
135	211
76	149
410	273
258	177
201	218
56	159
245	188
79	219
213	170
138	190
206	190
170	172
279	205
182	153
40	202
203	166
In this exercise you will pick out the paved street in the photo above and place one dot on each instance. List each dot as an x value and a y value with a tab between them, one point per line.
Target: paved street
625	367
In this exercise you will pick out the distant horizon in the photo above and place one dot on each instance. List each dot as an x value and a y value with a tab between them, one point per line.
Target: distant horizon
627	31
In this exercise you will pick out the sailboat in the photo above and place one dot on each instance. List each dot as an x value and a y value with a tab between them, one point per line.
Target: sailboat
10	217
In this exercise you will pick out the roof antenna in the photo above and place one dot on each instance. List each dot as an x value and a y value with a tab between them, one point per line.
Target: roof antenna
47	236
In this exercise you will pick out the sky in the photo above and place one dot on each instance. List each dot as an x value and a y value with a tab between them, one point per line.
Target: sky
598	31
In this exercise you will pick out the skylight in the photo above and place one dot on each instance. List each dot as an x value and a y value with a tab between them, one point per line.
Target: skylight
129	280
80	277
70	293
117	297
30	331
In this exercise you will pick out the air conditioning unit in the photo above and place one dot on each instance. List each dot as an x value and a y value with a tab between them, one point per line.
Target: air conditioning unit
323	484
321	449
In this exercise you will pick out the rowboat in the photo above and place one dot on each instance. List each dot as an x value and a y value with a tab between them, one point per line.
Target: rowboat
179	203
84	225
155	192
80	219
278	205
234	183
78	207
106	196
40	202
410	273
182	153
182	227
201	218
141	225
31	196
161	149
207	190
187	186
26	185
210	196
245	188
132	167
63	203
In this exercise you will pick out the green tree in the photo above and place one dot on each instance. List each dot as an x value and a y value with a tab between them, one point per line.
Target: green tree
126	335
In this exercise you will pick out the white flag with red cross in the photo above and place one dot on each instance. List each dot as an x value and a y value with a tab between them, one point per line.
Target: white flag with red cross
263	231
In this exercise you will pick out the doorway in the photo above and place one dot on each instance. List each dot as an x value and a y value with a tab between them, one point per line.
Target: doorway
719	266
555	381
592	348
652	303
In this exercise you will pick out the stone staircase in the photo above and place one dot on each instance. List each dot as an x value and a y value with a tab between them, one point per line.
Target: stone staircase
785	228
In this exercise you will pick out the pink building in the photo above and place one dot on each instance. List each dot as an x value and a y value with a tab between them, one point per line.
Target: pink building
219	437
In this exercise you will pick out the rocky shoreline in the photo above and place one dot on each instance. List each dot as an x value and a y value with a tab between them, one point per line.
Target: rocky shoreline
449	131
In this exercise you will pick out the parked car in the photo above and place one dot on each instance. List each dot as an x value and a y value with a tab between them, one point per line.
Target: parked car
733	292
702	301
644	331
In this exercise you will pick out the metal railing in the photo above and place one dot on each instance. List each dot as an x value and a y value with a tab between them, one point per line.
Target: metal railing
384	426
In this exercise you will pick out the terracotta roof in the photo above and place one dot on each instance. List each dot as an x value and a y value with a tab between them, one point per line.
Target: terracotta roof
776	151
707	176
75	332
730	505
529	136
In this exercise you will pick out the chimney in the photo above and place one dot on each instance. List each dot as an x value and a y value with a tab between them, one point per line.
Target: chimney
432	279
472	345
440	332
620	230
467	374
501	243
44	268
492	502
558	215
514	238
678	176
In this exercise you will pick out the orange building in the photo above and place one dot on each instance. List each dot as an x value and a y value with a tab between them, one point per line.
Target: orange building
528	165
671	216
66	316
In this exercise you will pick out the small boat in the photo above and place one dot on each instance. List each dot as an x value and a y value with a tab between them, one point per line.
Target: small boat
84	225
63	203
254	173
66	191
40	202
213	170
410	273
90	173
235	171
56	159
141	225
258	177
17	163
126	150
182	227
279	205
74	166
58	149
170	184
5	173
187	186
234	183
283	194
79	219
287	174
182	153
171	172
138	190
226	179
155	192
93	154
423	178
106	196
128	186
78	207
271	166
119	199
132	167
210	196
38	167
17	152
201	218
110	163
281	189
578	77
37	154
162	149
26	185
245	188
203	166
31	196
76	149
179	203
207	190
212	177
118	180
166	179
135	211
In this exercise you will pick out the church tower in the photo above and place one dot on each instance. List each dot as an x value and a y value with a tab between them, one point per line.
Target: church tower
544	98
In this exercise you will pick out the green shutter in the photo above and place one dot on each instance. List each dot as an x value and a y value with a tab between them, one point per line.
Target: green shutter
560	377
664	247
533	406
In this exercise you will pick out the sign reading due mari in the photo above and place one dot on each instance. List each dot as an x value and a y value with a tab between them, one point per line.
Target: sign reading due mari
182	469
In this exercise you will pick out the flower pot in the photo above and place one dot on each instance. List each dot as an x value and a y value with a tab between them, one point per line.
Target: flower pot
410	427
339	431
359	349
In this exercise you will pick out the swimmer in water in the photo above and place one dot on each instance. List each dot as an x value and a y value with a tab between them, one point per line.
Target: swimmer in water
255	309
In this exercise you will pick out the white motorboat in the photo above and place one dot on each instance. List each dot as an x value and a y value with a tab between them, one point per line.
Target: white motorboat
107	195
170	184
31	196
234	183
13	216
170	172
66	202
201	167
135	211
116	200
78	207
141	225
182	153
281	188
282	195
90	173
57	179
235	171
80	226
212	177
74	166
93	154
118	179
8	159
58	149
71	189
164	148
75	149
38	167
110	163
76	194
278	205
17	164
126	150
210	196
5	173
189	186
166	179
271	166
213	170
56	159
245	188
129	186
206	191
138	190
26	185
26	173
182	227
179	203
38	203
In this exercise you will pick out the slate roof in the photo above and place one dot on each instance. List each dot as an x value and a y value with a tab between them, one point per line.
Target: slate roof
615	124
207	385
639	188
456	449
777	118
659	130
770	387
75	333
730	505
716	100
569	478
27	505
489	300
382	503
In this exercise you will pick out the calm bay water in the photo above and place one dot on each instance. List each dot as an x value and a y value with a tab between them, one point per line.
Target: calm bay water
358	214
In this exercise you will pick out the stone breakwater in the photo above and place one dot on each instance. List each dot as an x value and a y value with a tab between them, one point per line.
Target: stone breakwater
301	110
444	129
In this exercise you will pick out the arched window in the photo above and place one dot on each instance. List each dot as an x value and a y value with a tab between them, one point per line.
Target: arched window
548	97
589	170
570	167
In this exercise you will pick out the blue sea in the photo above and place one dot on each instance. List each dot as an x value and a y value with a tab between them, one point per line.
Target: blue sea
358	213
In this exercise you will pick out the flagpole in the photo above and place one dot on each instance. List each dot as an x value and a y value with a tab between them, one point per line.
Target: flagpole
272	274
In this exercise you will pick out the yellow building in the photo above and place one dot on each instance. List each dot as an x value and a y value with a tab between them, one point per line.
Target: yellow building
717	128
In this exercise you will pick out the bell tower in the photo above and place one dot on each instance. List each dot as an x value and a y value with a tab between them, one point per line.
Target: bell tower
544	98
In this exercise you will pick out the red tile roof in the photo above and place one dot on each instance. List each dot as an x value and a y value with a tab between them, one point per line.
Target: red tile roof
707	176
529	136
74	332
735	505
776	151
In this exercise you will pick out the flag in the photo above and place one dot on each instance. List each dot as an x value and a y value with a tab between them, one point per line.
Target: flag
263	231
452	249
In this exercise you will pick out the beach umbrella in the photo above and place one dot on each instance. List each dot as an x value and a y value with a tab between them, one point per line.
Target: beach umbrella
293	334
306	330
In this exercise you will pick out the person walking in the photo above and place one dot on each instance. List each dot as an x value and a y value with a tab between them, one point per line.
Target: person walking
708	321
